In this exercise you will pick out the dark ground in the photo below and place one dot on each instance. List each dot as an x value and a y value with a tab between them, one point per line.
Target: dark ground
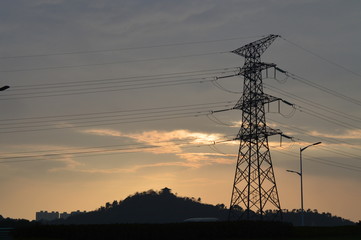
187	231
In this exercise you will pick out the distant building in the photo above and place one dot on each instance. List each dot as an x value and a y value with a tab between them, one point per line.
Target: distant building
166	191
46	216
76	212
50	216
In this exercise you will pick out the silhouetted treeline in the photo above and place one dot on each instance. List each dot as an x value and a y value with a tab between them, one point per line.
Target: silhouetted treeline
9	222
165	207
314	218
150	207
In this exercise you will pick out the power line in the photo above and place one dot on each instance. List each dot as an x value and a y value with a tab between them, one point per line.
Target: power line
324	117
114	122
324	162
321	161
85	153
111	63
222	103
104	119
99	151
108	120
338	152
96	149
313	104
125	48
170	75
327	140
318	114
334	164
322	58
324	89
316	105
121	84
92	114
144	86
343	153
327	118
37	152
304	132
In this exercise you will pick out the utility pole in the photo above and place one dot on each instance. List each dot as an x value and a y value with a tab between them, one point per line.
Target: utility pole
254	187
300	173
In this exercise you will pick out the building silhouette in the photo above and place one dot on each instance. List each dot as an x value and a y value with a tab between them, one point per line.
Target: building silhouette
51	216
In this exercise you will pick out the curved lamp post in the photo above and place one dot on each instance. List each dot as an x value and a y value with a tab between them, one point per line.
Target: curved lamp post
300	173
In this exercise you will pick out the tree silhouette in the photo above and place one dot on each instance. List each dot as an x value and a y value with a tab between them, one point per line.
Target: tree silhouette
165	207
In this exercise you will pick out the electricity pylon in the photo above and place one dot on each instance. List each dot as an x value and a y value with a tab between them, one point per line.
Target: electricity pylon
254	187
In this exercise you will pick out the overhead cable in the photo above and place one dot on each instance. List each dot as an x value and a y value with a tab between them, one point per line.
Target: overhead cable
322	58
110	63
125	48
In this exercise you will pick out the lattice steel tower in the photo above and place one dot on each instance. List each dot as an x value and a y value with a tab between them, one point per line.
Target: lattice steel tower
254	187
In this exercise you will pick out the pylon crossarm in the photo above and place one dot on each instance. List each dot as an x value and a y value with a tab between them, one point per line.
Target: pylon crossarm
270	131
255	67
266	98
258	47
261	133
286	136
227	76
221	110
263	98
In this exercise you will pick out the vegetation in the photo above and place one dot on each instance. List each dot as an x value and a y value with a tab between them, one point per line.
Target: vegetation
161	214
165	207
11	223
149	207
314	218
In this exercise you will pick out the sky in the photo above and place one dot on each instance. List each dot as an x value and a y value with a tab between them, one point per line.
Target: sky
108	98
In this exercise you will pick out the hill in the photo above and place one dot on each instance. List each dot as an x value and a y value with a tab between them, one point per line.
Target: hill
150	207
165	207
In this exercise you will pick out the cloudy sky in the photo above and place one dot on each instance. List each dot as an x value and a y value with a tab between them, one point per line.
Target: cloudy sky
111	97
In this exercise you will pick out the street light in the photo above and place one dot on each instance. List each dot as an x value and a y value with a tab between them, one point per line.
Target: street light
300	173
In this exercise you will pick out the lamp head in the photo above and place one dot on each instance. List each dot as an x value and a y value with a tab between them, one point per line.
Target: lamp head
313	144
4	88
